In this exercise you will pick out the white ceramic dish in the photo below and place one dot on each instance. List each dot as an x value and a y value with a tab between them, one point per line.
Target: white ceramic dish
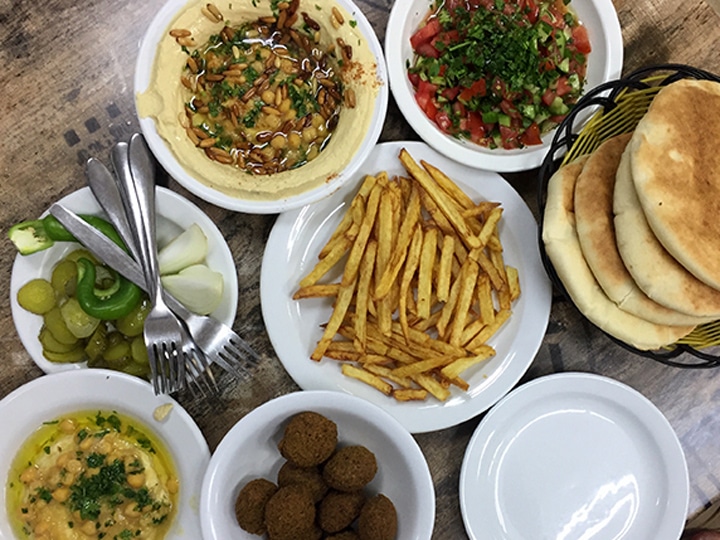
175	213
249	451
51	396
294	326
143	70
574	456
604	64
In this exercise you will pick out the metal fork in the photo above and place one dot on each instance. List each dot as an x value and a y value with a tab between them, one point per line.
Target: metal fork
168	343
218	341
221	345
106	189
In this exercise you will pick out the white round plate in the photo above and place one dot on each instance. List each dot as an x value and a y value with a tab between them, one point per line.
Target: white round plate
294	326
50	396
604	64
249	450
574	456
174	214
158	29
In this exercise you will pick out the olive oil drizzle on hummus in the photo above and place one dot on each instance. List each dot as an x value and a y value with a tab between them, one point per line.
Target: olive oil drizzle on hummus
98	474
262	97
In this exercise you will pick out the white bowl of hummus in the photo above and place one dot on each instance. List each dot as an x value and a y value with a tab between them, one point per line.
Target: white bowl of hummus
94	452
261	106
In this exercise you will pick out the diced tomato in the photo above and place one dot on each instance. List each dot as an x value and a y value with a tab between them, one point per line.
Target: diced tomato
414	79
425	87
563	87
509	109
548	96
450	93
459	109
425	33
532	10
581	39
447	38
424	97
443	121
547	65
478	88
531	135
427	50
508	137
475	126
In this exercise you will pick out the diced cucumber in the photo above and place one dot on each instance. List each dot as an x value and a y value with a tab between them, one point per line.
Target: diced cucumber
558	107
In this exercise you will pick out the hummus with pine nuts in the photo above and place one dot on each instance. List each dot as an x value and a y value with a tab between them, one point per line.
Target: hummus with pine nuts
92	475
166	98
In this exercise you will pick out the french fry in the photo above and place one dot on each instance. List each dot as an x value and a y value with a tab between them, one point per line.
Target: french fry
468	277
487	332
351	216
421	366
488	227
450	187
368	378
342	302
387	373
358	248
384	233
410	394
422	287
362	296
317	291
485	299
455	368
425	272
432	386
448	207
324	265
411	264
513	282
412	215
445	267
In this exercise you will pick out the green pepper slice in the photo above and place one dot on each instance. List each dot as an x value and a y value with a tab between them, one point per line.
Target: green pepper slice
37	235
122	301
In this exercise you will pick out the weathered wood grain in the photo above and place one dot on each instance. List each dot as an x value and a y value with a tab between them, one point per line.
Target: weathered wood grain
67	95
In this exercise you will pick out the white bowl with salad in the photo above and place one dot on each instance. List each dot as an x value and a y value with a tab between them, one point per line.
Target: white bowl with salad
486	82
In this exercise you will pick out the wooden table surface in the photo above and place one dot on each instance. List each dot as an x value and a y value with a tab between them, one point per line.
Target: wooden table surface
67	94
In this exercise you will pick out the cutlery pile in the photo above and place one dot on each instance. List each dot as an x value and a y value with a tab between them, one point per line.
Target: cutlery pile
181	345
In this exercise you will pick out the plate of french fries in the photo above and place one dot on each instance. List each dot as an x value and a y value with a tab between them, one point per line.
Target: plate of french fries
418	287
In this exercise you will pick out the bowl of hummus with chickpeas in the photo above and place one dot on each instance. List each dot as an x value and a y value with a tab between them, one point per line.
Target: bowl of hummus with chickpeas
261	106
96	454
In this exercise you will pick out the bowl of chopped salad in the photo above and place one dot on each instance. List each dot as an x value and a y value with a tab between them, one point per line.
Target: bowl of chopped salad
486	82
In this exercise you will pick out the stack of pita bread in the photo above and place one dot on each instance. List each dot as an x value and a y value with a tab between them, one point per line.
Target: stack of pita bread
633	229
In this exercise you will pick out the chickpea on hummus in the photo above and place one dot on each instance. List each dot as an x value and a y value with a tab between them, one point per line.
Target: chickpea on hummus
92	475
263	99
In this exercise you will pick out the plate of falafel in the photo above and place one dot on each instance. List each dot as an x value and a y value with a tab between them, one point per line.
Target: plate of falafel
318	465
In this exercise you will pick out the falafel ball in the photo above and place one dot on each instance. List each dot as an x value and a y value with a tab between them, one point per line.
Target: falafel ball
378	519
250	505
338	510
290	473
309	439
290	513
350	469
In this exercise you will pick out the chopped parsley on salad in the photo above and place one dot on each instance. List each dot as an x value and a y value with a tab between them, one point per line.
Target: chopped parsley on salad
499	72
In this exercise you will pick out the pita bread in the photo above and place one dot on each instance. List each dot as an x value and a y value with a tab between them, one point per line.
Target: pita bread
563	248
655	271
676	171
596	234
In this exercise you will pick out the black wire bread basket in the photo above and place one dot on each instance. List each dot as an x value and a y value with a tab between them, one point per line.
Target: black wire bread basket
605	111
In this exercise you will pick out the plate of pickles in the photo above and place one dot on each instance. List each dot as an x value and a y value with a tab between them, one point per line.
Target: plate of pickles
73	312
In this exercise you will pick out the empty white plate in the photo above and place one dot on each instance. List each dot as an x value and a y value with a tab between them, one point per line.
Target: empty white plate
574	456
